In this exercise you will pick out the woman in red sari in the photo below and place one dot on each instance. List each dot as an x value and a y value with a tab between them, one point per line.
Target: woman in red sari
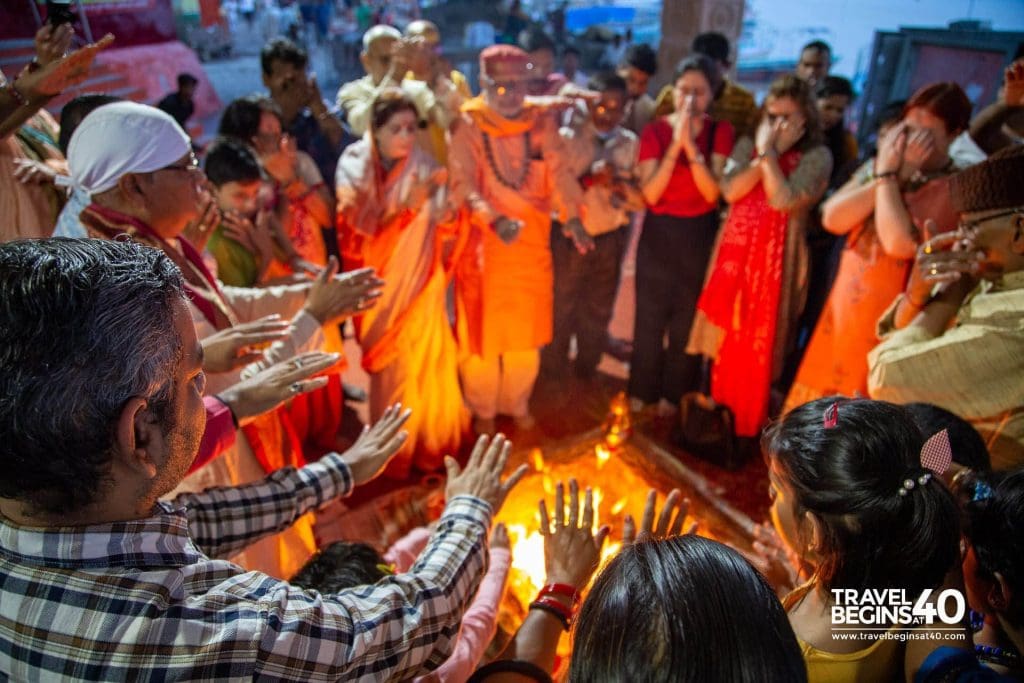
390	198
747	312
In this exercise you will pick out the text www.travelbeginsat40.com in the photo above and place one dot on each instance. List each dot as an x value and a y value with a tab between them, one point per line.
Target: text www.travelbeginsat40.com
872	609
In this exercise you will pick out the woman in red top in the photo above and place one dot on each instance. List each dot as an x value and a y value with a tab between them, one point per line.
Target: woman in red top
682	157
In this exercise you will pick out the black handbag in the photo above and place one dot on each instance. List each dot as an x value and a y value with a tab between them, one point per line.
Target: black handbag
706	429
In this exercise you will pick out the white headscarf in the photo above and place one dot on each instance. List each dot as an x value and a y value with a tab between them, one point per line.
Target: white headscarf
121	138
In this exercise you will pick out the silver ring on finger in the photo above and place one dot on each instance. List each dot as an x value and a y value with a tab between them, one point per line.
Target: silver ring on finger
295	388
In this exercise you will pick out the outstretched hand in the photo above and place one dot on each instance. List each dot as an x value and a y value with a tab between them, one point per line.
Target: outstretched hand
238	346
572	551
481	477
377	444
334	297
667	526
271	387
58	71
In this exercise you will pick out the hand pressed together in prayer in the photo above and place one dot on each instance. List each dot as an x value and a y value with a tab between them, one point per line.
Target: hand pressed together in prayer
377	444
238	346
667	526
334	297
891	150
499	537
271	387
481	477
572	550
199	230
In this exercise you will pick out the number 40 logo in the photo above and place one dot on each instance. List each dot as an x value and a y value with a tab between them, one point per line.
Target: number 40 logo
925	612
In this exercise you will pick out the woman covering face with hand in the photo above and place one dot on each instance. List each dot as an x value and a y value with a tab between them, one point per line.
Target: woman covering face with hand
748	309
882	211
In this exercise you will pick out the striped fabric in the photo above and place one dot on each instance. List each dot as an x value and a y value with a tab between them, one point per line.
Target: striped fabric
148	600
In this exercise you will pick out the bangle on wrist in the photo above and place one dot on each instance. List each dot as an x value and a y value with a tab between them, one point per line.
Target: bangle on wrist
555	609
697	158
563	589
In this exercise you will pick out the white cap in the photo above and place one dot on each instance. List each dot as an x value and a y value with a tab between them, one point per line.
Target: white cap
121	138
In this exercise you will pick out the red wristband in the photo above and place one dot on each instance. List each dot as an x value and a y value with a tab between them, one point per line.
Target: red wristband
563	589
562	609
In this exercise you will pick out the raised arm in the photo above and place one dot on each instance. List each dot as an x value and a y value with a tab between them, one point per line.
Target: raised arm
741	174
804	186
225	520
851	204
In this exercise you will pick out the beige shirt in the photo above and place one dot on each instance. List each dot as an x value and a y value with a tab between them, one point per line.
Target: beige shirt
974	369
583	147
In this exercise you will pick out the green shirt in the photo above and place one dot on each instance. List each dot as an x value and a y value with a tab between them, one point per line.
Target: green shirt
236	265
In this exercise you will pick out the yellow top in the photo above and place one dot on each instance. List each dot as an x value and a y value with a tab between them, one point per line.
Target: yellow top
880	661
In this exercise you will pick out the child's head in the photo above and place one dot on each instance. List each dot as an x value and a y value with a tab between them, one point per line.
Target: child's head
339	566
837	469
607	112
994	527
236	174
683	609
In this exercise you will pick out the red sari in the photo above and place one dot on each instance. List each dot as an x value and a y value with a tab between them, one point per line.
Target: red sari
742	298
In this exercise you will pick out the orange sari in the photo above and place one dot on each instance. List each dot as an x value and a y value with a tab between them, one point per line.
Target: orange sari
867	282
409	348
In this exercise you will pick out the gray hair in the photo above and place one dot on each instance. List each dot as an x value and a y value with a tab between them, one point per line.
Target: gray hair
379	31
85	325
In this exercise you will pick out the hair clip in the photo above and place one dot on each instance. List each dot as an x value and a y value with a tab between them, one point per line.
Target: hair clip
909	484
832	415
982	491
937	453
388	569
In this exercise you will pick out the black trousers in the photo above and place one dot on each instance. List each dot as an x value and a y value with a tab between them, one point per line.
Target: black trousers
585	287
671	259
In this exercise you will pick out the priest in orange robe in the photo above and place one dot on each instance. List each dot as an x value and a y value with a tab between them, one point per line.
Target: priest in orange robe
508	166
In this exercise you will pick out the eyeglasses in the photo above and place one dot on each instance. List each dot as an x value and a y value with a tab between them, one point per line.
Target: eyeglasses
190	166
970	228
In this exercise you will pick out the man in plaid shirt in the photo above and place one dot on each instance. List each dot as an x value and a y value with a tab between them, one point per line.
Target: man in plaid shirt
101	413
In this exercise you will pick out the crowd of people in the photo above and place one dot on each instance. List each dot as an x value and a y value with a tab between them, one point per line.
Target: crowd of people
171	350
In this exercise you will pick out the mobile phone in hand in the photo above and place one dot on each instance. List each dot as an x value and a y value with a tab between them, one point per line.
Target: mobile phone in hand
59	12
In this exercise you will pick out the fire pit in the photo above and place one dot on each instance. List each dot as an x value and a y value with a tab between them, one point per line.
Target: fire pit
620	468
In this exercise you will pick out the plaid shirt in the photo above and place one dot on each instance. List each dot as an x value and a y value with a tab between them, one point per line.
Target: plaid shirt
143	600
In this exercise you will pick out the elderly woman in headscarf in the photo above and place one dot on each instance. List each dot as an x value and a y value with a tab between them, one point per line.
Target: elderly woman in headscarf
389	197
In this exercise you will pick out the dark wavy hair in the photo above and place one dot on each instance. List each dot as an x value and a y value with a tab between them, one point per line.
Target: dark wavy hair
703	65
339	566
231	160
241	118
796	89
387	103
282	50
683	609
85	325
994	526
947	101
849	476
